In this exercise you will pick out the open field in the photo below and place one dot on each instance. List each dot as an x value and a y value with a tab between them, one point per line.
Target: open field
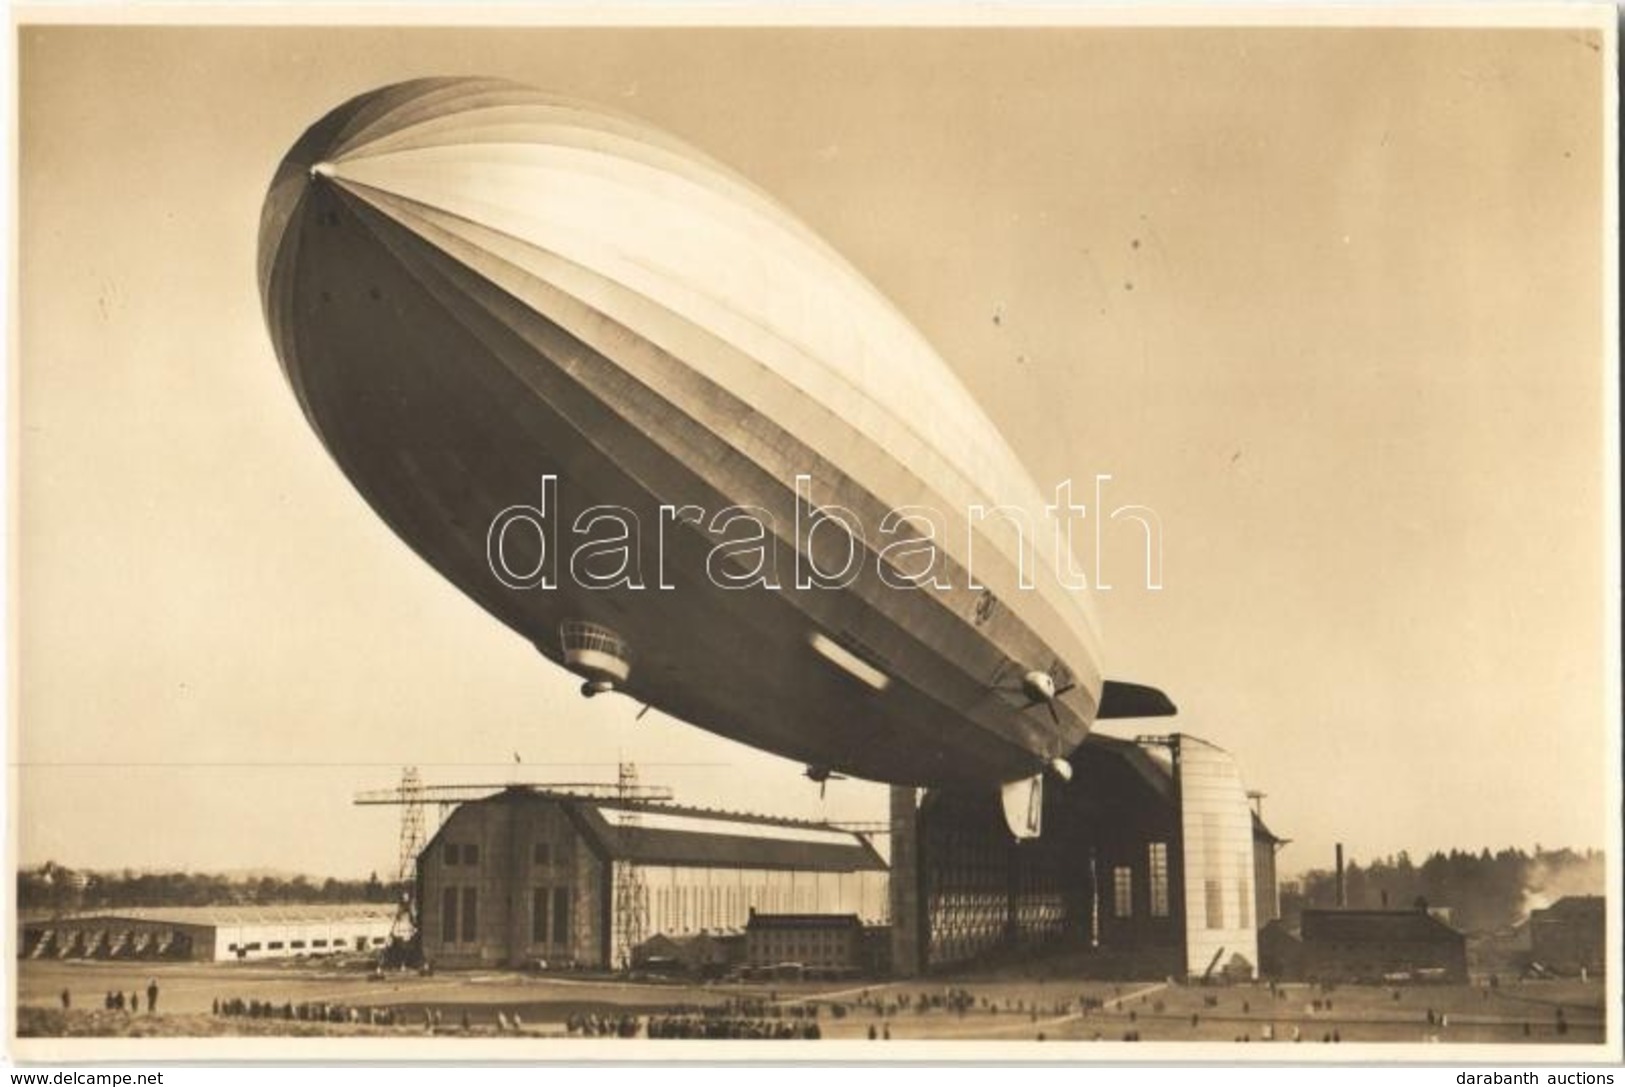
1010	1006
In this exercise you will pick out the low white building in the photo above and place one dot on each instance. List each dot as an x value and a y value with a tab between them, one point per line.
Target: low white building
211	933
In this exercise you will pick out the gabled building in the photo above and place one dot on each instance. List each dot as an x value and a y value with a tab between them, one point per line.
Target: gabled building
1373	945
528	876
816	941
703	954
1570	934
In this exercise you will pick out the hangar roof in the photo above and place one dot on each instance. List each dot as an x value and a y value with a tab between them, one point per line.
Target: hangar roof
759	921
676	836
1152	764
1376	926
669	834
313	913
1571	907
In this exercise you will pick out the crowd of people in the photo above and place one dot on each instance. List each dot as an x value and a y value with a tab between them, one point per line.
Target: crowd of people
737	1017
728	1026
767	1016
961	1002
603	1026
307	1012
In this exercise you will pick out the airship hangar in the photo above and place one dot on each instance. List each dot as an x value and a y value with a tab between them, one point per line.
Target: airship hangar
1153	862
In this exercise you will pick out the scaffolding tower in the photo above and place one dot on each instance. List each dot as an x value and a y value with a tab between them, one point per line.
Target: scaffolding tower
629	902
412	799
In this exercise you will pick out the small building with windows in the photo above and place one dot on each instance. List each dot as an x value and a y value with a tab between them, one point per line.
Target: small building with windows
1381	945
702	955
530	877
820	943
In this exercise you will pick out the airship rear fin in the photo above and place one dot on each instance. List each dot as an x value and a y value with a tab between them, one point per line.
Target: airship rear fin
1119	699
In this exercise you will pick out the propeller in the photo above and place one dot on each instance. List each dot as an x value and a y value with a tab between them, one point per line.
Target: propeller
822	775
1040	689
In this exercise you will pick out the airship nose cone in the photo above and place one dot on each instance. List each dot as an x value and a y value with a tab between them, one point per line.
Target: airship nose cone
323	169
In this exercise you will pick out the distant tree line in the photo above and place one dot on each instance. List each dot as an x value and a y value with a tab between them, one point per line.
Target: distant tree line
1484	891
52	888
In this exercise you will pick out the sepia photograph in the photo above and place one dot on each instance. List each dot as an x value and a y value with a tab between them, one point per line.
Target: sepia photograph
1041	535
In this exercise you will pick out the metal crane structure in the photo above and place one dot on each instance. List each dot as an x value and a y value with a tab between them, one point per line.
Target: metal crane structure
577	790
413	837
629	903
868	828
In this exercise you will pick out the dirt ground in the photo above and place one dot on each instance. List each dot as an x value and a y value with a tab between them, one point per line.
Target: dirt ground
982	1007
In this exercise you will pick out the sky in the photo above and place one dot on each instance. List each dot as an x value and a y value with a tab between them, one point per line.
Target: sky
1332	302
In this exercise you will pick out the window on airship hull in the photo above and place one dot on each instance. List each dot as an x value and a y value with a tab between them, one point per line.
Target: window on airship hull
854	645
853	657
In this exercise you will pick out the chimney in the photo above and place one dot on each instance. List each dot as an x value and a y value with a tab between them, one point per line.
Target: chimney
1342	899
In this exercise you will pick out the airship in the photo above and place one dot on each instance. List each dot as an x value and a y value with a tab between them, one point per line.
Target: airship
638	412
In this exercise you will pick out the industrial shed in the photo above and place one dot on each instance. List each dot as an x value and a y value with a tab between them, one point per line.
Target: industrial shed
701	955
1570	935
531	876
1377	945
210	933
820	942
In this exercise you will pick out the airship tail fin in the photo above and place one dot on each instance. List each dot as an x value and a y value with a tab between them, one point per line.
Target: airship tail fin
1118	699
1024	806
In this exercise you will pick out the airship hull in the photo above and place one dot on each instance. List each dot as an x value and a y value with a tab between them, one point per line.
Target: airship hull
485	298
